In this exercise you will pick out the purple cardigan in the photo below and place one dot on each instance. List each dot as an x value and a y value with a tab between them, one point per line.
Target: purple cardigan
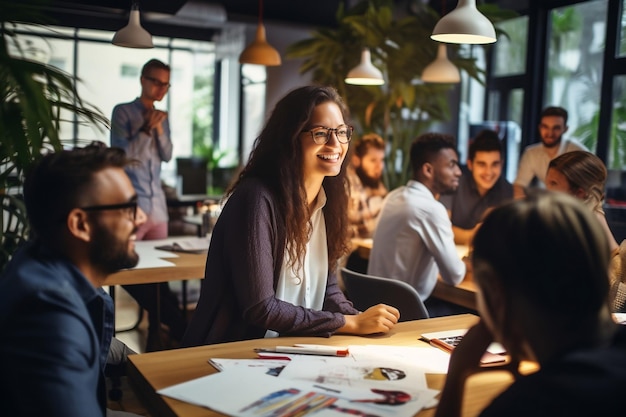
237	299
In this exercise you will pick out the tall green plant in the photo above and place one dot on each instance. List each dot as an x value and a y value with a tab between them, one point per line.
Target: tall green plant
401	47
33	96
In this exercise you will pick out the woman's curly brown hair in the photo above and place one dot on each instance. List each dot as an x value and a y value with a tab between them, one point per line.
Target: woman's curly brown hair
277	160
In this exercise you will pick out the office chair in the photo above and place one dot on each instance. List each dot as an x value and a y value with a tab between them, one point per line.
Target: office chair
367	290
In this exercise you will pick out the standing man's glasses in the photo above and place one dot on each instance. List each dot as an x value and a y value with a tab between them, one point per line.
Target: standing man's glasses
130	207
321	134
157	83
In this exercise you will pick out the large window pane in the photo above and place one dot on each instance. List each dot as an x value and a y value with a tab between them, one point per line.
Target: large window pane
109	75
575	63
617	143
509	53
615	207
472	98
621	47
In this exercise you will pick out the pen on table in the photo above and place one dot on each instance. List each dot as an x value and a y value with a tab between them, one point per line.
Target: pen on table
441	345
307	350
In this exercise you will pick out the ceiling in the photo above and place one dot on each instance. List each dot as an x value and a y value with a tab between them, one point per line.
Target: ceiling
193	18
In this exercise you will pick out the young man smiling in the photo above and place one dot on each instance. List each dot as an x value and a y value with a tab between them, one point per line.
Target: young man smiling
481	187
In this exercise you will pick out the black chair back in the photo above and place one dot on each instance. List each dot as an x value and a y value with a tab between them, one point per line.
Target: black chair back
367	290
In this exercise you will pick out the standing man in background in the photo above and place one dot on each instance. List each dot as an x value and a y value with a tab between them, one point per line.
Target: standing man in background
367	190
144	133
536	157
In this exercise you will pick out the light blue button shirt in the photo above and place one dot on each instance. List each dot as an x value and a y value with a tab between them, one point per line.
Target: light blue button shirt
149	150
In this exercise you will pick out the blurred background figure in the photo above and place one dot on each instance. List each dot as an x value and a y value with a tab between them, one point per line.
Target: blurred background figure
144	133
535	158
583	175
365	173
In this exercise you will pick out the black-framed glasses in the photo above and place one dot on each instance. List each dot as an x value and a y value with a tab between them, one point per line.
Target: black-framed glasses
156	82
130	207
321	134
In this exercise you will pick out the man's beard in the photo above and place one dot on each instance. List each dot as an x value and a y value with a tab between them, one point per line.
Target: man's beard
366	180
110	254
443	188
553	144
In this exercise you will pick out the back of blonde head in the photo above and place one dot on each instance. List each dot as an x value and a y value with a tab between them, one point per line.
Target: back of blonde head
583	170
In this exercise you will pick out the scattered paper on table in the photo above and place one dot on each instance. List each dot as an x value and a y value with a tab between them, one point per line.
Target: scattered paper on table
247	393
376	372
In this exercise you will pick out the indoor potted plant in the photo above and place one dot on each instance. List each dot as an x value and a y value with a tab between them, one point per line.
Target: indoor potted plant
33	96
401	47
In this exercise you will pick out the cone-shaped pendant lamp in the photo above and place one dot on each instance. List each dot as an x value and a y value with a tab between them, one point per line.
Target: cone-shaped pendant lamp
464	24
365	73
133	35
441	70
260	52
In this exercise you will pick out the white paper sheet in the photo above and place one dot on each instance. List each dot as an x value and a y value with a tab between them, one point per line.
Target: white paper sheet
247	393
429	359
373	372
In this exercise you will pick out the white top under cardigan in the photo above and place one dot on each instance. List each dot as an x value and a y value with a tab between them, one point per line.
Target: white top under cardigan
306	287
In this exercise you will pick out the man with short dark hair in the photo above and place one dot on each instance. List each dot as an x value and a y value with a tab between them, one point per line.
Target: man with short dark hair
413	241
536	157
481	187
367	190
55	319
144	133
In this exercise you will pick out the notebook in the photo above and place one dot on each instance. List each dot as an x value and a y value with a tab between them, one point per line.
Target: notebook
447	340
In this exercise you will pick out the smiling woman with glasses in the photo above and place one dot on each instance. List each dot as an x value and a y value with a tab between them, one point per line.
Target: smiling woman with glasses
271	268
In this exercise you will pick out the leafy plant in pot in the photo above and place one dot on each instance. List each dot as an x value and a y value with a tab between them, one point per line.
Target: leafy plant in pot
34	98
401	48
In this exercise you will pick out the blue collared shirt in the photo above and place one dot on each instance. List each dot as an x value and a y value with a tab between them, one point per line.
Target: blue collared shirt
56	330
149	150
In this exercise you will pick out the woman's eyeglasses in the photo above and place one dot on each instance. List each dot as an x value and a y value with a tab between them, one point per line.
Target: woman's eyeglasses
321	134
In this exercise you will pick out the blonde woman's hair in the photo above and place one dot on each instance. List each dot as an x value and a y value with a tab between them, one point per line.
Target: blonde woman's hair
583	170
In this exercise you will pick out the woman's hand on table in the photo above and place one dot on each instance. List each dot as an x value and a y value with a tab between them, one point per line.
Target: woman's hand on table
377	319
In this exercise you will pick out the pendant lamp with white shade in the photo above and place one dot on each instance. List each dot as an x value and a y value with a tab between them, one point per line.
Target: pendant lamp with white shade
365	73
466	25
133	35
260	52
441	70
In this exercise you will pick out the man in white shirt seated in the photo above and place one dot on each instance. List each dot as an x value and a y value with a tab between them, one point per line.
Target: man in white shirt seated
413	241
536	157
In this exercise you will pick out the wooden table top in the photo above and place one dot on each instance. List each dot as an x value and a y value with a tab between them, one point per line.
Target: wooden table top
150	372
187	266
